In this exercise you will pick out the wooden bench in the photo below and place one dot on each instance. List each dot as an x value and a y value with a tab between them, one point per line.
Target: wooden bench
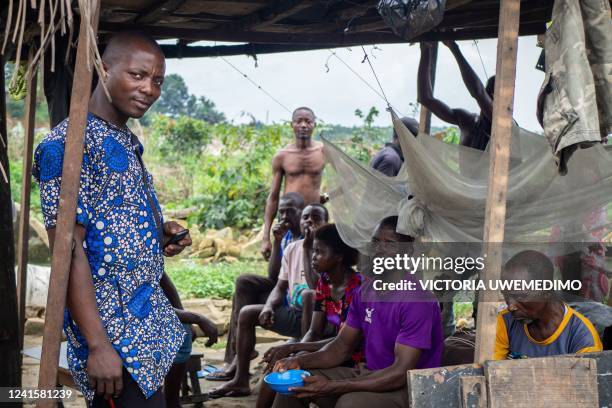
572	380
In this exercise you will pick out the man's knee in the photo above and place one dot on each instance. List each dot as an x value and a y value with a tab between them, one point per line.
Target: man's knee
249	315
308	301
244	283
308	296
283	401
354	400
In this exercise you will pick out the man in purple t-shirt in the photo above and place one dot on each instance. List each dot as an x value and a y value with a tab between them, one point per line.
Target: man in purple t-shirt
398	336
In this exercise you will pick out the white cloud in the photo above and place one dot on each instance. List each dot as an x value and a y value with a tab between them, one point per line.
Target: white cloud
300	78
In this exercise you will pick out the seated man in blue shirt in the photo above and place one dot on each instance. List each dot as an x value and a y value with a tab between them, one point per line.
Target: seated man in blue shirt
539	323
122	332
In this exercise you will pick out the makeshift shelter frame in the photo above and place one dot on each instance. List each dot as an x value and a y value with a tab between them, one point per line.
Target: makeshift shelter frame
24	214
507	32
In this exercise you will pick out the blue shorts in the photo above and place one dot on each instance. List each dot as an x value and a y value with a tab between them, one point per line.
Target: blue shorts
183	353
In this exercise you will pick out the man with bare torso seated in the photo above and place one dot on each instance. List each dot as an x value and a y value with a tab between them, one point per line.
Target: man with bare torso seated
301	165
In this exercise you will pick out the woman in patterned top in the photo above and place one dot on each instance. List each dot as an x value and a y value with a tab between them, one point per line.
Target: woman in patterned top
333	260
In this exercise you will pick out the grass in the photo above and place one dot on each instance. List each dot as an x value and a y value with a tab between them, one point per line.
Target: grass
462	310
214	280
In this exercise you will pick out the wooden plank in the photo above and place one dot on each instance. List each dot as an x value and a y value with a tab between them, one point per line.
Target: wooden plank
158	11
473	392
560	382
604	375
495	215
278	12
331	40
62	251
425	117
24	213
439	387
10	374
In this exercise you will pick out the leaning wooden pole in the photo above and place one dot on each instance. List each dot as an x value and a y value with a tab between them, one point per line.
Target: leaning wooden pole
71	172
425	116
10	371
24	214
501	135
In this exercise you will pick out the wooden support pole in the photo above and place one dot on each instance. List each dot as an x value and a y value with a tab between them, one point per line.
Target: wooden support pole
495	215
10	370
71	172
425	118
24	214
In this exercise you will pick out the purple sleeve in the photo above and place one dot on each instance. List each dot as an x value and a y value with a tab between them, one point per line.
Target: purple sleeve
417	319
355	314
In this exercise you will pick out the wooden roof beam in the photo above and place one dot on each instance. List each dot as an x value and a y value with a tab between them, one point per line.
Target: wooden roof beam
158	11
271	15
331	39
178	51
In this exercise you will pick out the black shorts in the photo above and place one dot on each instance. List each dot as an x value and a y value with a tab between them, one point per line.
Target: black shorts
131	397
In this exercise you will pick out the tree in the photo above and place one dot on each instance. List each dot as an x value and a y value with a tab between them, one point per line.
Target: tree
176	101
174	97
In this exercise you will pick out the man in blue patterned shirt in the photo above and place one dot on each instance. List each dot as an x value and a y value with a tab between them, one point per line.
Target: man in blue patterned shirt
122	332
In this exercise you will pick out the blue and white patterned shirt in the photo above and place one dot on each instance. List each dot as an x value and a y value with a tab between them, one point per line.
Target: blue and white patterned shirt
122	244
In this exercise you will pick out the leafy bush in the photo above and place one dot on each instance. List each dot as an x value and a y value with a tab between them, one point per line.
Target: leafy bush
221	169
452	136
213	280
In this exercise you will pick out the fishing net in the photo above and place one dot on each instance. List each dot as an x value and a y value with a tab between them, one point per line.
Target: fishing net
441	190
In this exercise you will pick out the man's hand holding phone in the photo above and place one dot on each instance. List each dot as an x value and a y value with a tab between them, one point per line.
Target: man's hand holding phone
176	238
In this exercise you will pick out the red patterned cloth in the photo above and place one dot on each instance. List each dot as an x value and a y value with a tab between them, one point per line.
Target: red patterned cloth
337	310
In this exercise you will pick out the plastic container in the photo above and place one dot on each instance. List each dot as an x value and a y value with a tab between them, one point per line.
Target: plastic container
281	382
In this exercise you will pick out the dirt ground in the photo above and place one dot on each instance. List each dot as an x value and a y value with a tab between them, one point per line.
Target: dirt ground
31	366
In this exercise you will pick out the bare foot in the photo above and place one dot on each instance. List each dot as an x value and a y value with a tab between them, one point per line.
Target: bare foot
230	389
230	371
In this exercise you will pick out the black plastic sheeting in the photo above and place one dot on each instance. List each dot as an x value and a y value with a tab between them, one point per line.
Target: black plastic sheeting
409	18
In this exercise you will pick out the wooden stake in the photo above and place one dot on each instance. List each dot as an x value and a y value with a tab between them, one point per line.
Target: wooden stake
24	215
62	250
425	117
10	372
501	134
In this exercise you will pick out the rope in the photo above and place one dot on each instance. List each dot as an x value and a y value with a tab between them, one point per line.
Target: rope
381	96
52	15
367	58
481	61
257	85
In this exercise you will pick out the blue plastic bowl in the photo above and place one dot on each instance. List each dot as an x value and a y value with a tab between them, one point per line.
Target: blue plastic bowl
281	382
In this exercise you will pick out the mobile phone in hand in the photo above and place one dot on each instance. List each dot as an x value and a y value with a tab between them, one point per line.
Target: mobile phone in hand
177	237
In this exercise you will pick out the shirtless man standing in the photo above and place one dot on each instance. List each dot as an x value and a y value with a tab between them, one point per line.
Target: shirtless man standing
300	164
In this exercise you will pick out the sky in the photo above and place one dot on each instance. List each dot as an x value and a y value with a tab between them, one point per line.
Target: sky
321	81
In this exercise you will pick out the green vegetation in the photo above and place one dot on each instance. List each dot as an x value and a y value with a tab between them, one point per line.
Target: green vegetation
198	160
462	310
175	101
212	280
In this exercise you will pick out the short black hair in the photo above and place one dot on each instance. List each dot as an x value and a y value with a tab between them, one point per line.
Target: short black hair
490	86
411	124
323	208
537	265
329	235
303	108
125	40
390	222
296	198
